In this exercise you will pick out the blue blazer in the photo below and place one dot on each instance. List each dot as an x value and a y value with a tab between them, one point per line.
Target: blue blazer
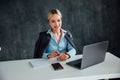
43	41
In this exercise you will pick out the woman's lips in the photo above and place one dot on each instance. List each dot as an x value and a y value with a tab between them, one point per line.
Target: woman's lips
56	27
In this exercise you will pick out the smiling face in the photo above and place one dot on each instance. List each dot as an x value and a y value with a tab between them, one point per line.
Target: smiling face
55	22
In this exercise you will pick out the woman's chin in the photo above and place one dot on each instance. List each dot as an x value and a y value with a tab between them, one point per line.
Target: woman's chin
57	29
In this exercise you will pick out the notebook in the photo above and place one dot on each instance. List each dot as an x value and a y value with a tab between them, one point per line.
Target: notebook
92	54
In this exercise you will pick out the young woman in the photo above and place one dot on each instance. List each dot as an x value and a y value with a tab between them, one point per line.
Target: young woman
55	42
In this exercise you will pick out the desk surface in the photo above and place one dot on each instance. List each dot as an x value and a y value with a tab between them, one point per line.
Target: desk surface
22	70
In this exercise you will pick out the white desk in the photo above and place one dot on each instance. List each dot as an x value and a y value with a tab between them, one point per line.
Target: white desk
22	70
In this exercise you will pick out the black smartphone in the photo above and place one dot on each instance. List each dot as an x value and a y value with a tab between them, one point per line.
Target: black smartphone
57	66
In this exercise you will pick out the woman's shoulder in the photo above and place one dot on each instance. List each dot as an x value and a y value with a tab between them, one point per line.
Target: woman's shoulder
44	33
68	33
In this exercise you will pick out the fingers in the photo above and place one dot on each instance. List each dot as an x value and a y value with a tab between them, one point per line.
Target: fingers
63	56
53	54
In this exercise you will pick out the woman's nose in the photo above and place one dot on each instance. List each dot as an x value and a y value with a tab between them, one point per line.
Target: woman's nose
56	23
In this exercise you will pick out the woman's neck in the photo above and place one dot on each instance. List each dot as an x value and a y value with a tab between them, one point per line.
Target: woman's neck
58	32
57	35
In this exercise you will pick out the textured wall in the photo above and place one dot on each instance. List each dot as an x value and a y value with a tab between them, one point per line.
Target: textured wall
111	21
22	20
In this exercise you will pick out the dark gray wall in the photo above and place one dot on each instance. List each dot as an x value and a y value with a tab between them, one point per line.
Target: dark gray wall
89	21
111	21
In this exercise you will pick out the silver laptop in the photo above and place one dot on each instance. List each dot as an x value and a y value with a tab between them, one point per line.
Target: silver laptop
92	54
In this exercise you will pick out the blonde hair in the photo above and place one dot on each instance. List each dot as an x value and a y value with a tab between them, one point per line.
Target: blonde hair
54	11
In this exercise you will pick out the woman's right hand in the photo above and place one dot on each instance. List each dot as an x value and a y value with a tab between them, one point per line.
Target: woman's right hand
53	54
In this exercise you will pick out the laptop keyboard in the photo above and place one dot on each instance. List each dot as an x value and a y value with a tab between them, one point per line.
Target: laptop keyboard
76	63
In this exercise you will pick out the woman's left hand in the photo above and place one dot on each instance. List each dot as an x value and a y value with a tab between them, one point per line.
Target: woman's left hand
63	57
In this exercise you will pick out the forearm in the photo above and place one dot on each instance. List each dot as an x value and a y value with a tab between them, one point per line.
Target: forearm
71	52
45	55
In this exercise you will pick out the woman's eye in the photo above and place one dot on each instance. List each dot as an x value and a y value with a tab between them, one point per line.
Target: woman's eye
58	20
52	21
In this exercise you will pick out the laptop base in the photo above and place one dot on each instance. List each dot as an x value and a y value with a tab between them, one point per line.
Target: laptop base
75	63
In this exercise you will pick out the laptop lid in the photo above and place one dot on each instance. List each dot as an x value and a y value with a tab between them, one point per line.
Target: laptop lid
92	54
